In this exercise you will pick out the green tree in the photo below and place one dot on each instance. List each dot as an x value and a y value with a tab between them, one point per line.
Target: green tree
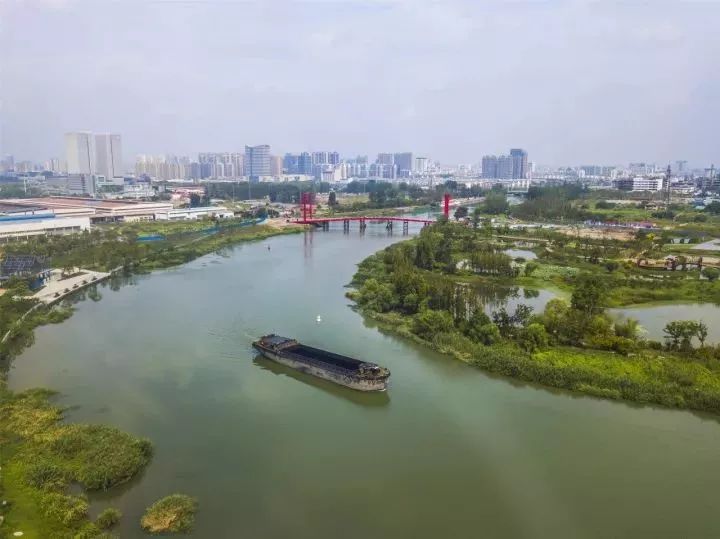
429	322
555	317
376	296
461	212
496	203
679	334
477	212
701	332
533	337
588	295
332	199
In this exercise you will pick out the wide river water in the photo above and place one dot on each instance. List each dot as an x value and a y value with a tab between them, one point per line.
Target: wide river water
447	452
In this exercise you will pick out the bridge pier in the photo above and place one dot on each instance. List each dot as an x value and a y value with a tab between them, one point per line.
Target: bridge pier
388	226
326	225
346	225
363	226
406	228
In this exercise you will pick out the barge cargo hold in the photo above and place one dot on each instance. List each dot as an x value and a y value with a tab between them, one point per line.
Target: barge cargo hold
343	370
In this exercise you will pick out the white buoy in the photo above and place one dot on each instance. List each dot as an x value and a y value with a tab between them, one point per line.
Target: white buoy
318	319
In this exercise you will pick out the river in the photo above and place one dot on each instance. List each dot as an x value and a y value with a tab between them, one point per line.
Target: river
447	452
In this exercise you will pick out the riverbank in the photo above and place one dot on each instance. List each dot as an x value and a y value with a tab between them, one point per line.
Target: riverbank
648	377
414	290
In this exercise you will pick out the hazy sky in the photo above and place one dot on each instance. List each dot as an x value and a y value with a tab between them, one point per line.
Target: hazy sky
573	82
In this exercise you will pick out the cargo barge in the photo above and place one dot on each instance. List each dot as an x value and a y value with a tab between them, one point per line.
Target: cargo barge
343	370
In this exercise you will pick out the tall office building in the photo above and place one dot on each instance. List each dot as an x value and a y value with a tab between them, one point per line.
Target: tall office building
108	156
385	159
290	163
257	161
422	165
7	163
333	158
320	158
404	162
489	166
520	163
505	167
80	153
276	165
305	164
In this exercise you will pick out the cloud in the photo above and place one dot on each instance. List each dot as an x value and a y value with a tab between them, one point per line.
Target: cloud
571	81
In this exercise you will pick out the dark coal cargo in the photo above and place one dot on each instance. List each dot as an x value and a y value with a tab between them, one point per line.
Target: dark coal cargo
343	370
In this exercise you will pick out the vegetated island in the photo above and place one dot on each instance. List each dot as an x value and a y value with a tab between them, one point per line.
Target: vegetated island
42	457
171	514
429	289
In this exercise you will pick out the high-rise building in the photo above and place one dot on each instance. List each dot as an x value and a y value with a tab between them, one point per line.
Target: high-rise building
385	159
276	165
7	163
520	163
489	166
53	165
290	163
404	162
422	164
108	156
333	158
305	164
80	153
257	161
504	167
320	158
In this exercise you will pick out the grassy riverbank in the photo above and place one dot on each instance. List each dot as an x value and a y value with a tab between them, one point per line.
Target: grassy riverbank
42	457
416	290
649	376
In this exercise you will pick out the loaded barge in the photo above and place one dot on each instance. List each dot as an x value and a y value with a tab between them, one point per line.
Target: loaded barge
343	370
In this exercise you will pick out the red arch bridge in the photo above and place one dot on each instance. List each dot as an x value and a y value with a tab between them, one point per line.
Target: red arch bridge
306	209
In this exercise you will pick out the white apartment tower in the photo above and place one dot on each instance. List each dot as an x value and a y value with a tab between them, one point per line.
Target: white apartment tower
108	156
80	153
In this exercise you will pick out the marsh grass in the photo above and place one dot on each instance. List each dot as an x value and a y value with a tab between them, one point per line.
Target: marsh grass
42	457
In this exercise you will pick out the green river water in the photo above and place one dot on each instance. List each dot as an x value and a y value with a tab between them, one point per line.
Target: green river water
447	452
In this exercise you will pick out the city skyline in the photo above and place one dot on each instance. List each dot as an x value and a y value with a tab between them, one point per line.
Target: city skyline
582	82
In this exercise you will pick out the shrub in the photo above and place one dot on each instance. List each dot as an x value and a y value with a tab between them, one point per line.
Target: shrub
530	267
68	510
711	274
108	518
429	322
46	475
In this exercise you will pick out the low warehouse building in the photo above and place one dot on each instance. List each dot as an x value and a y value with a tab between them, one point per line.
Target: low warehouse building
26	226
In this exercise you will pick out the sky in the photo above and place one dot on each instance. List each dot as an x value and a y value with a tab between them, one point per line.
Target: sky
572	82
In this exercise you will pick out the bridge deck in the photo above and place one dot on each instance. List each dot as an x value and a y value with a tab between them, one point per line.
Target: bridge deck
314	220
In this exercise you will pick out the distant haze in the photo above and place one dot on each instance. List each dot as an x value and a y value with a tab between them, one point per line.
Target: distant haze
573	82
